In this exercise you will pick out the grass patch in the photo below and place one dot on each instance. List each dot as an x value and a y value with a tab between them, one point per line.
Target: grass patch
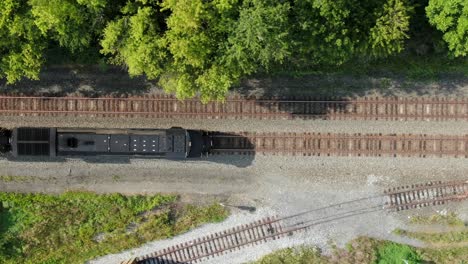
450	219
418	68
449	247
298	255
10	178
363	250
453	255
77	226
445	237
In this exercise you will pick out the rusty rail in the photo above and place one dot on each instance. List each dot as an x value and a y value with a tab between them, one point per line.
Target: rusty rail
421	195
166	106
328	144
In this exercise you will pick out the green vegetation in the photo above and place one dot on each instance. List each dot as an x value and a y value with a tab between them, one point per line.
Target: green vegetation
362	250
447	255
436	237
450	17
206	47
390	253
11	178
450	246
450	219
76	226
299	255
447	248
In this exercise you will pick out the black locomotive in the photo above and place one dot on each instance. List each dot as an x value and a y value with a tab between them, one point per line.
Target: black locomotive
175	143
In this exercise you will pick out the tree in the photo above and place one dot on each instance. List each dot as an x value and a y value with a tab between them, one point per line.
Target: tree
135	40
334	31
451	18
259	36
73	23
197	46
21	46
390	31
196	40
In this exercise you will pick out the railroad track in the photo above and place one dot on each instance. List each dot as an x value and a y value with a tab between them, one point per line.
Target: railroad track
166	106
422	195
217	243
327	144
270	228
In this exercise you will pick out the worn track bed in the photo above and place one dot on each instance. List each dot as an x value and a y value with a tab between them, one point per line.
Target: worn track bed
165	106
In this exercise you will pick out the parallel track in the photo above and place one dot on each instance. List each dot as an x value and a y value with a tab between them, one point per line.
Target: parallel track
401	198
165	106
327	144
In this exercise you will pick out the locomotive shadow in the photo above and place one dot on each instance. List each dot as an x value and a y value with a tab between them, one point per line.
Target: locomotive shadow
239	161
231	149
323	108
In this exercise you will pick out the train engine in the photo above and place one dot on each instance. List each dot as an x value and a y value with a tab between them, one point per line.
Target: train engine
173	143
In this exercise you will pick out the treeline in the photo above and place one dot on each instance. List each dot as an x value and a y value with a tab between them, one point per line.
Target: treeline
206	46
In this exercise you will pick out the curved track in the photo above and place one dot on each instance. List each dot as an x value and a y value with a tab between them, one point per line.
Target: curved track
318	144
165	106
401	198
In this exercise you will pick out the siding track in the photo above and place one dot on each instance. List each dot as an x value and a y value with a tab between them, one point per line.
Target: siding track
217	243
422	195
166	106
270	228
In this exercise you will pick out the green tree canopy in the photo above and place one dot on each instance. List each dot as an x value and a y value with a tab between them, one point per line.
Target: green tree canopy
73	23
207	46
21	45
196	46
135	39
388	35
451	18
334	31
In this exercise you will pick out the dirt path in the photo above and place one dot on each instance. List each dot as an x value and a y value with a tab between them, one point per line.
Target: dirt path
93	81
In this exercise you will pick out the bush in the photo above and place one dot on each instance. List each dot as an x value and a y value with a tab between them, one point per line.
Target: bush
393	253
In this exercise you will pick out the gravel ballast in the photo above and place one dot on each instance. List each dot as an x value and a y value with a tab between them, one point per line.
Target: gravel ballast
225	125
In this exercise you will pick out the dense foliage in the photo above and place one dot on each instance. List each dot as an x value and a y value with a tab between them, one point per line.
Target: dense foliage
206	47
76	226
451	17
